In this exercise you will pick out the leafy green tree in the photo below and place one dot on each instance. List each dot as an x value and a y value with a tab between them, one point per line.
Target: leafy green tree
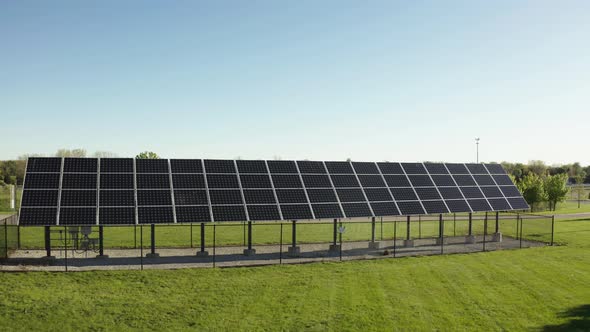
537	167
532	189
556	189
147	155
80	153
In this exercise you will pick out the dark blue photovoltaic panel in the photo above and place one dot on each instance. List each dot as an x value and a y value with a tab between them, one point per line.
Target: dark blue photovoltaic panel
450	193
251	166
190	197
410	208
282	166
384	209
317	181
255	181
116	181
404	194
229	213
365	167
503	180
77	216
510	191
117	215
79	181
378	194
458	205
256	196
222	181
186	165
339	167
443	180
479	205
153	181
434	168
421	180
155	215
321	195
311	167
263	212
296	212
371	181
151	166
219	166
464	180
117	198
476	168
414	168
491	192
39	198
390	168
327	211
397	181
38	216
435	207
351	195
44	165
471	192
484	180
78	198
80	165
356	210
457	168
345	181
499	204
425	193
186	214
188	181
287	181
224	197
116	165
154	197
518	203
495	169
291	196
42	181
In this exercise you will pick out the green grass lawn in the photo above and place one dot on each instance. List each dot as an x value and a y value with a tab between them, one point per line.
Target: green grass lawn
529	289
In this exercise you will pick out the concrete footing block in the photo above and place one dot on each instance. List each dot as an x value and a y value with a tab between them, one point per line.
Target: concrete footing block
154	255
440	240
294	251
102	256
497	237
202	253
470	239
334	248
249	252
375	245
408	243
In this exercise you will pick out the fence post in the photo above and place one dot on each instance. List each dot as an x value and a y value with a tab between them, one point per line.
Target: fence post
281	246
5	239
454	224
191	234
441	226
521	222
381	228
552	228
419	227
214	243
140	244
66	246
485	231
394	236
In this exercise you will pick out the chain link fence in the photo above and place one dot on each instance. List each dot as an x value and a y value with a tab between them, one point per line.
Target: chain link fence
266	243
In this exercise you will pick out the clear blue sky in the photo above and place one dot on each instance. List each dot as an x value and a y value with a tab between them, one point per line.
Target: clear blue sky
326	80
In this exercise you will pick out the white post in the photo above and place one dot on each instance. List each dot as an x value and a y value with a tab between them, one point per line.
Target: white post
12	197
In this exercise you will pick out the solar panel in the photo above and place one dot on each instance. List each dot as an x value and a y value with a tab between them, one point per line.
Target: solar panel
186	165
116	165
80	165
188	190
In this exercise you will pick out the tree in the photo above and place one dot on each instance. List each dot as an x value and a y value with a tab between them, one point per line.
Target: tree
556	189
104	154
537	167
147	155
80	153
532	189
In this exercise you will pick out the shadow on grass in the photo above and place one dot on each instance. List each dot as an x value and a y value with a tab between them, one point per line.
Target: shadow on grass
579	320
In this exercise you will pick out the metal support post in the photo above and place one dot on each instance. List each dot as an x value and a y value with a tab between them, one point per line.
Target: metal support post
101	243
152	253
470	239
249	251
202	252
335	247
408	242
294	250
373	244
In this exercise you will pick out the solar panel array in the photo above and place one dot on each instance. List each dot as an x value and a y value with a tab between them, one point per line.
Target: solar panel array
106	191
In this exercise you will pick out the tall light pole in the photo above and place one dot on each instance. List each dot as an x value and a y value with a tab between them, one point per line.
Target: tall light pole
477	149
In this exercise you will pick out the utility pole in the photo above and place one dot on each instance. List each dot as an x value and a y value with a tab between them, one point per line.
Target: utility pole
477	149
